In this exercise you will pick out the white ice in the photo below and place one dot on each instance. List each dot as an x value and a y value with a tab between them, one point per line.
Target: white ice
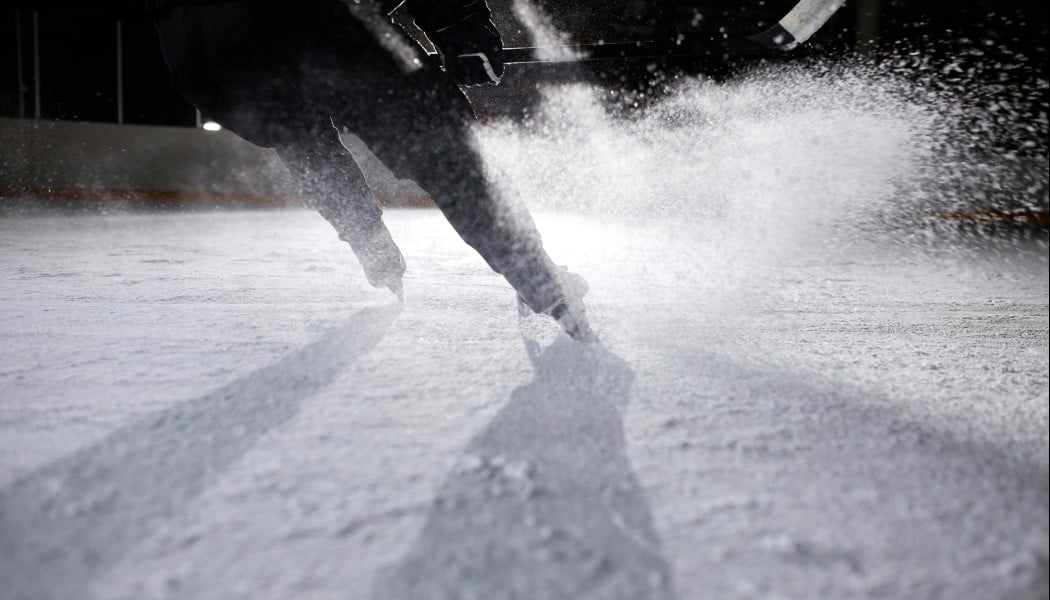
801	391
216	405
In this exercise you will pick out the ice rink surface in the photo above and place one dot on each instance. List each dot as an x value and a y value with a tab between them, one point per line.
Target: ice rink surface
216	405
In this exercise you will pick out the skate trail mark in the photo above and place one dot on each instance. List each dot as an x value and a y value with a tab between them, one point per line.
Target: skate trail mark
63	525
543	502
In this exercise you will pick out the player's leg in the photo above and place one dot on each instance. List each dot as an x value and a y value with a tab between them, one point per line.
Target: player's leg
419	125
334	185
242	64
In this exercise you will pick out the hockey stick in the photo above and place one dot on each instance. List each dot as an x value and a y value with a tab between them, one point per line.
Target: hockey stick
797	26
801	22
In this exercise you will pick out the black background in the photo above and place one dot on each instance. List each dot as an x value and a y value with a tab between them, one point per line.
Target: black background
78	47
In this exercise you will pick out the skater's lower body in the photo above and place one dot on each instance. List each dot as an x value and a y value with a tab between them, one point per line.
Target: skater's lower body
286	81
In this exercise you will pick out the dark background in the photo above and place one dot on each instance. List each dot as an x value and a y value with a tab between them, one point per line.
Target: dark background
1001	43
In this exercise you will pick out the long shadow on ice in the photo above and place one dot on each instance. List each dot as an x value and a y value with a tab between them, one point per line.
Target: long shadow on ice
543	502
64	524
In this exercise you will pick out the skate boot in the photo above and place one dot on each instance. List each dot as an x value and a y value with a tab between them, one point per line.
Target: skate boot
568	309
382	261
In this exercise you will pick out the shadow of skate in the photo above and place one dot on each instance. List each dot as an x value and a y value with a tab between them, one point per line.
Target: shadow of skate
65	523
543	502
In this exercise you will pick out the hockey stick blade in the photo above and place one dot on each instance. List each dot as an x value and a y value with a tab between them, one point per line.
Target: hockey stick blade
797	26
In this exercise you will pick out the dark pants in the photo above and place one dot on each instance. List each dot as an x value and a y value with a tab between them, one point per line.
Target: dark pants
280	74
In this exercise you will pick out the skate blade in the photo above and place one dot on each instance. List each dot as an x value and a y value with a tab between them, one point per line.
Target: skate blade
398	288
523	309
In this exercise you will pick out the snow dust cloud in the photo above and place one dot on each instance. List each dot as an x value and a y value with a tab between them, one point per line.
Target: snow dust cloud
699	187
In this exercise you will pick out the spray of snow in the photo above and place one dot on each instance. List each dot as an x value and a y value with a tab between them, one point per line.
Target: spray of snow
771	146
696	189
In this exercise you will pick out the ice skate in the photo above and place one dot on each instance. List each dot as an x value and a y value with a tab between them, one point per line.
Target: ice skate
382	261
568	311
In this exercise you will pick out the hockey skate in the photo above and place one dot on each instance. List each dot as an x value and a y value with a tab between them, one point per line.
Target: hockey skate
568	311
382	261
